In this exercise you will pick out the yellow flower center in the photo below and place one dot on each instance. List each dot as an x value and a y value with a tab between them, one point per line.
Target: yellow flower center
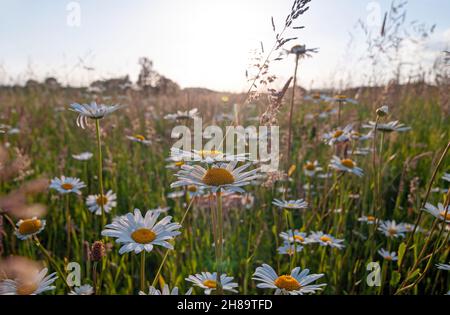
210	153
341	97
30	226
338	133
27	288
292	170
348	163
217	177
102	200
299	238
310	166
67	186
447	217
326	239
316	96
370	218
212	284
139	137
179	163
288	283
192	188
388	257
143	236
392	231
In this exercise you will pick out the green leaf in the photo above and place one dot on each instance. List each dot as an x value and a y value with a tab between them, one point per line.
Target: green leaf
401	253
395	278
414	274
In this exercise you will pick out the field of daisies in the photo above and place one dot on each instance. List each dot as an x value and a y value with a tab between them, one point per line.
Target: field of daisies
93	200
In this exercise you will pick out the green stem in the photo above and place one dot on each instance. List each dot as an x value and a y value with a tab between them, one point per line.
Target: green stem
168	251
51	261
100	168
69	226
219	251
143	270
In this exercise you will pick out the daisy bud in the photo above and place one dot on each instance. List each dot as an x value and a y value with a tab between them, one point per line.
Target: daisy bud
382	111
98	251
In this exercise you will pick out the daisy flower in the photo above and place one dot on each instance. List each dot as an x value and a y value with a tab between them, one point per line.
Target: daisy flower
289	249
297	283
191	114
345	165
445	267
338	135
446	177
294	236
392	229
342	98
29	227
310	168
247	201
369	219
139	139
207	281
160	209
357	136
139	233
390	256
410	227
316	97
359	151
290	204
382	111
326	240
66	185
387	127
83	156
95	202
175	194
14	131
221	176
205	156
92	111
36	284
165	291
440	212
83	290
175	163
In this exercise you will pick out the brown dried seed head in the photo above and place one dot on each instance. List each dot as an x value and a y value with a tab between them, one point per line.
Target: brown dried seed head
98	251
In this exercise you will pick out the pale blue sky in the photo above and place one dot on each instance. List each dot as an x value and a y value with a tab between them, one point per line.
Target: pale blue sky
203	43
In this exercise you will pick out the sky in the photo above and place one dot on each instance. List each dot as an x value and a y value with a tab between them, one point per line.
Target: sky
197	43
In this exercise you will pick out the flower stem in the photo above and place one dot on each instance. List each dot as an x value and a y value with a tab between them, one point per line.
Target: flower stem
100	168
219	251
143	270
51	261
291	111
68	225
168	251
